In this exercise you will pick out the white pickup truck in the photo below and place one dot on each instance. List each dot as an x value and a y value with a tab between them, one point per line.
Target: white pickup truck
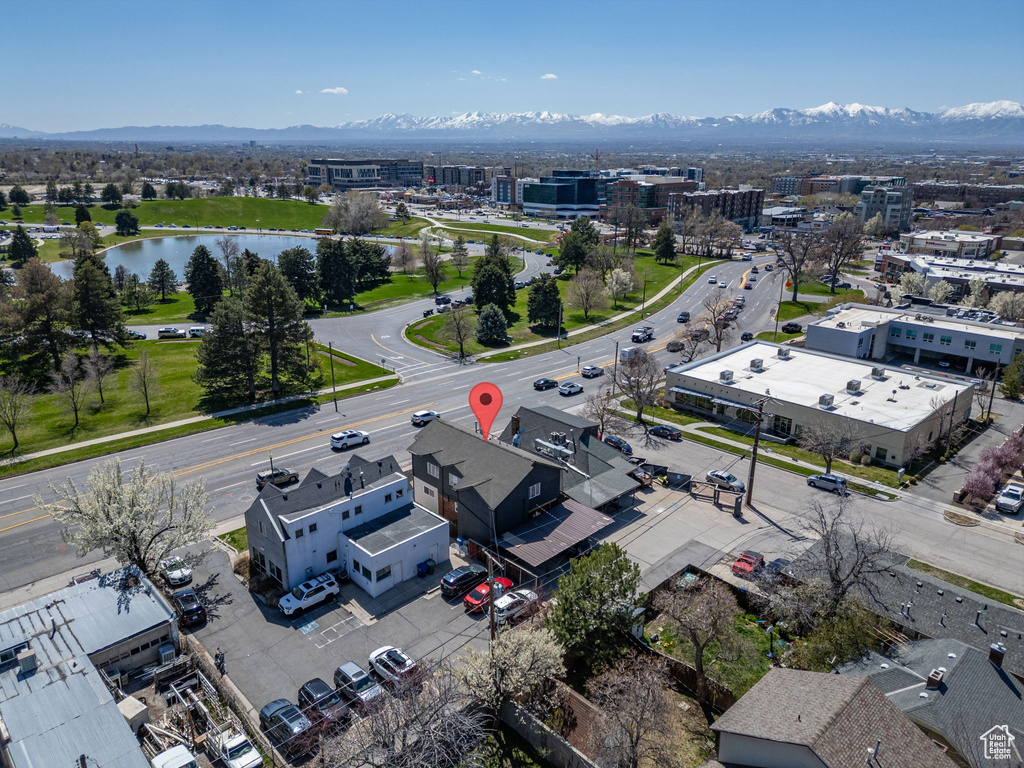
642	333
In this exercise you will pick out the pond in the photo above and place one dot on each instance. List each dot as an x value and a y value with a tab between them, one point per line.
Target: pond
139	256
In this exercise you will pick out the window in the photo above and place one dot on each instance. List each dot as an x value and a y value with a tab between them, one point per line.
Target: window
881	453
911	334
433	470
387	498
275	572
428	491
312	527
384	573
535	490
929	338
355	565
299	533
995	349
860	343
345	514
453	480
895	332
261	527
359	509
399	493
945	341
332	556
970	344
366	573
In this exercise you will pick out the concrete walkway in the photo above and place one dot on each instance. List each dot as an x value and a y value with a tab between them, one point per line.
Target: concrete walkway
191	420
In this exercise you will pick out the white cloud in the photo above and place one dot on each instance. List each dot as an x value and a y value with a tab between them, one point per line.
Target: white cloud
549	76
476	72
299	92
503	79
338	90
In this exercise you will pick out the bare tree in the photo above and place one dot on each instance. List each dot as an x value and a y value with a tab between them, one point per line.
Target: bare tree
70	385
686	227
716	304
829	439
848	553
800	250
519	667
601	259
15	403
139	520
433	726
601	408
403	258
75	243
639	377
434	268
229	250
459	327
586	292
705	617
145	377
632	697
842	243
357	213
97	369
690	343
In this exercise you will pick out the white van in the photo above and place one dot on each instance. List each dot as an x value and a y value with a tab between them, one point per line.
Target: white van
175	757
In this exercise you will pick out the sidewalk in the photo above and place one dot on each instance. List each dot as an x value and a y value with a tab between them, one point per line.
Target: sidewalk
192	420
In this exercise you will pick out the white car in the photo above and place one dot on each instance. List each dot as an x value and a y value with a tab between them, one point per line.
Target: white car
511	604
1011	499
236	751
722	284
175	571
309	594
570	388
712	279
391	664
349	437
424	417
170	333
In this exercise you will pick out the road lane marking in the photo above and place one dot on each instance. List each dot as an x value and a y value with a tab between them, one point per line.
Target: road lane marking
293	453
242	442
8	501
393	352
26	522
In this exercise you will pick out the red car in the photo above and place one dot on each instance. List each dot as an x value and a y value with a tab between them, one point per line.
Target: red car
478	598
747	563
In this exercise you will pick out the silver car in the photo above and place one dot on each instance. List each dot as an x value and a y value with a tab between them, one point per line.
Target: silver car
175	571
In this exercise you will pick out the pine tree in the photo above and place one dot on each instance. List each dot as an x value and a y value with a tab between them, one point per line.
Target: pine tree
299	269
492	327
230	354
572	252
204	281
276	311
334	270
82	214
1012	386
44	313
664	244
148	191
162	279
22	248
543	304
126	223
97	307
19	196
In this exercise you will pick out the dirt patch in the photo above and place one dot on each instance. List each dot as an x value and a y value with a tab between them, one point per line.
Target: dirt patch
339	360
957	519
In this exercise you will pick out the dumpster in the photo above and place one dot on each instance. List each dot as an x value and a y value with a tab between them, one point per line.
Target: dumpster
421	569
431	565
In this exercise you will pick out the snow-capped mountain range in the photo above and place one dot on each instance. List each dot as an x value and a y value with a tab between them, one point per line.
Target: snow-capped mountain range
993	122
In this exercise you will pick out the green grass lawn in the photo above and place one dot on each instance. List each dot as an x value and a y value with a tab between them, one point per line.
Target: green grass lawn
237	539
964	583
778	338
790	310
177	309
537	235
178	397
428	332
410	228
249	212
815	288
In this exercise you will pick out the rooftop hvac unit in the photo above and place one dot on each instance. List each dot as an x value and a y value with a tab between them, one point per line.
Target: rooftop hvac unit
825	401
757	364
853	386
784	354
545	448
114	676
878	373
167	653
725	377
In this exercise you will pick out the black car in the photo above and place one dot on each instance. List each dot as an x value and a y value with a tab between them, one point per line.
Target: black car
619	443
321	703
541	384
746	336
190	610
283	721
663	430
439	300
792	328
462	579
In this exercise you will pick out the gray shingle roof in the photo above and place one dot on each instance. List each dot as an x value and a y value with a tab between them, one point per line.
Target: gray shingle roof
975	694
541	420
384	532
837	717
491	468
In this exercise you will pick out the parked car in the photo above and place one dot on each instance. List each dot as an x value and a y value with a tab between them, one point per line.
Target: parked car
276	476
1011	499
664	430
175	571
570	388
198	331
792	328
282	721
748	563
746	336
349	437
177	756
591	371
170	333
462	579
828	483
726	480
478	598
136	335
235	750
541	384
392	665
309	594
511	604
778	566
356	684
321	703
619	444
439	300
188	607
424	417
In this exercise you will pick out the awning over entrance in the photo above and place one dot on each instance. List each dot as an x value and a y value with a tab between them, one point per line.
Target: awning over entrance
551	533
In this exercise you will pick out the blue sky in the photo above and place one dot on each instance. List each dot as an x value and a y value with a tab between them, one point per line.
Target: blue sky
109	63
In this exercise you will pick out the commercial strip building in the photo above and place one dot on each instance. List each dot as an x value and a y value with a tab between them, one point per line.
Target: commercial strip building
344	175
362	519
889	416
950	243
55	706
740	206
894	204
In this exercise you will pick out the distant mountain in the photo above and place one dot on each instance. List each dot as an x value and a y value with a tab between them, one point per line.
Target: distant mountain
14	132
994	122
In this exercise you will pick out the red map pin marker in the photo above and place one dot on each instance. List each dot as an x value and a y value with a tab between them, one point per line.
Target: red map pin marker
485	400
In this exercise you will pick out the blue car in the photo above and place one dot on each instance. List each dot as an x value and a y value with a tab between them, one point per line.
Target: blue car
619	444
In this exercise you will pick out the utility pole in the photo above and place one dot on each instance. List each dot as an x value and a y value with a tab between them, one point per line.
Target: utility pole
490	598
334	388
558	330
615	368
992	391
753	452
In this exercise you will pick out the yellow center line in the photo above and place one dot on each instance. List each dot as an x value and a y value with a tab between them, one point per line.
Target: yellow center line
26	522
397	354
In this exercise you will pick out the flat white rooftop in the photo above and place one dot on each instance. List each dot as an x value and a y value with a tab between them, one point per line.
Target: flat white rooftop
857	318
949	236
807	375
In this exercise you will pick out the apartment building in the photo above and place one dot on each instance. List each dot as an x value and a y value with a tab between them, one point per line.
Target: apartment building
980	194
648	193
894	204
741	206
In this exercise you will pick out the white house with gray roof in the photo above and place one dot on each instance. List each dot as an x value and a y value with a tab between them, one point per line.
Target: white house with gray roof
363	520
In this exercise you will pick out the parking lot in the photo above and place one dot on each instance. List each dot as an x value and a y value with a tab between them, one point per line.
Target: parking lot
269	656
